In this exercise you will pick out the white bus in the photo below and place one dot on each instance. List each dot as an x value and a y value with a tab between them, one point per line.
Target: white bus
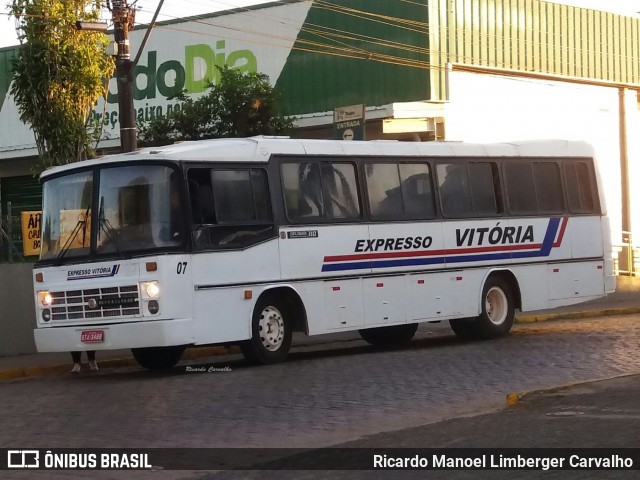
244	241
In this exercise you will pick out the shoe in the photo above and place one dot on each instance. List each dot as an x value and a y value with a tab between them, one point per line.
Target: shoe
93	365
76	368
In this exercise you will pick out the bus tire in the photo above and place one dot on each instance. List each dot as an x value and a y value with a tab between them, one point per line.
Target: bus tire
271	329
387	336
158	358
497	309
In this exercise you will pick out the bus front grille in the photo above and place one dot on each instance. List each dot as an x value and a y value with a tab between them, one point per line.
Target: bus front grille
95	303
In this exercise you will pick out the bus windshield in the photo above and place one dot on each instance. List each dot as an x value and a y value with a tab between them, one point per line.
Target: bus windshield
135	208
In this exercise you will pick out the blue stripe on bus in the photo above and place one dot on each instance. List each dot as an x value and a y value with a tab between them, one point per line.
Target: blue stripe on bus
334	267
407	262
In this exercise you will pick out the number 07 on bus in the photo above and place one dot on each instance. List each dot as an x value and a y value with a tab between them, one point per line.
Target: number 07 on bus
245	241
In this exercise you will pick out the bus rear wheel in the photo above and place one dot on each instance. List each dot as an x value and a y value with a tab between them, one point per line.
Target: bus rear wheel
387	336
497	313
498	309
271	329
158	358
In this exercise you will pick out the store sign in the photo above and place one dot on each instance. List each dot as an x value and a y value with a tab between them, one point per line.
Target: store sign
180	57
348	123
30	222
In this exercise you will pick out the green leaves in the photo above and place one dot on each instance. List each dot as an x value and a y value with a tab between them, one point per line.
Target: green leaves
239	105
59	74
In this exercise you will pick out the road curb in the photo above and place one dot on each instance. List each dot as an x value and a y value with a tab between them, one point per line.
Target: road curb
515	398
607	312
189	354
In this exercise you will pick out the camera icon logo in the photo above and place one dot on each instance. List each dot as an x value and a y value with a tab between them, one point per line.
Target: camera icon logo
23	459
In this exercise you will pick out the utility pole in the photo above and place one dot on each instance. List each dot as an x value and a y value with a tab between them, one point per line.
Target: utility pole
123	17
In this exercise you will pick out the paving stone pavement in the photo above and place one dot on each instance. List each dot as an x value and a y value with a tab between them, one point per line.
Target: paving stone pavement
325	394
332	390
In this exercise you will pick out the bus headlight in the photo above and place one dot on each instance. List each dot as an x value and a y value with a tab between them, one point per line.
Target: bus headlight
150	289
45	298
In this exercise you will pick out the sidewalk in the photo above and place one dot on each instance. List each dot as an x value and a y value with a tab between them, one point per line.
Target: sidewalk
626	300
564	423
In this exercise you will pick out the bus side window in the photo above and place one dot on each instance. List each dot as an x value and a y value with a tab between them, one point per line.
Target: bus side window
455	195
534	188
242	204
201	201
400	191
548	184
579	189
383	190
205	200
485	188
197	210
202	207
521	193
340	190
417	194
302	191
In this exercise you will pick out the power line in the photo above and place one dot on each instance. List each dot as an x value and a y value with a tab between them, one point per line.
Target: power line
336	42
358	52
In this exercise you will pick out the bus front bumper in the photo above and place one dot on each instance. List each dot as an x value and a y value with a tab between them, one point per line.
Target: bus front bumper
159	333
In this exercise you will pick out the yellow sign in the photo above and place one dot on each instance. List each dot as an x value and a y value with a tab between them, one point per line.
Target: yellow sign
30	232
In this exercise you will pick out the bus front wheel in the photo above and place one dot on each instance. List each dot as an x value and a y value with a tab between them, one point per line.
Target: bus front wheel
387	336
271	330
158	358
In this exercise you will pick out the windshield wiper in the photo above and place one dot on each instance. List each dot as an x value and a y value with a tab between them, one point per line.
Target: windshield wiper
112	234
74	233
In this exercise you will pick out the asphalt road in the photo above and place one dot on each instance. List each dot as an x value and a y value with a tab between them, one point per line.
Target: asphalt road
324	395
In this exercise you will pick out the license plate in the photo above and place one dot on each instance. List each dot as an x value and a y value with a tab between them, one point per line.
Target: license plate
92	336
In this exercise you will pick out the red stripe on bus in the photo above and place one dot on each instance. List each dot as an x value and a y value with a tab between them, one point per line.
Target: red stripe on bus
563	227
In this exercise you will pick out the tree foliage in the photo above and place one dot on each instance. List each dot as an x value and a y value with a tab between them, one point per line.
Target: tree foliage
59	74
240	105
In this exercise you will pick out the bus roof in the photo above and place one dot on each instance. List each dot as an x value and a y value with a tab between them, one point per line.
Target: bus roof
259	149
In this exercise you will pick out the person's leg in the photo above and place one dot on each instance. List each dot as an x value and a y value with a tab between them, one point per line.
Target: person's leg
76	361
91	356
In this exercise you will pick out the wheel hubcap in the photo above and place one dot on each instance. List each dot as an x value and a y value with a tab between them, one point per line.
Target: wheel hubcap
496	305
271	326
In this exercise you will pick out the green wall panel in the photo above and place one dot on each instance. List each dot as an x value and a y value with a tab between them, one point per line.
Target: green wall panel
540	37
6	70
357	51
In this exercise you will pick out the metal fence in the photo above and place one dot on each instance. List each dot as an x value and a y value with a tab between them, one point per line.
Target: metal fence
627	261
11	246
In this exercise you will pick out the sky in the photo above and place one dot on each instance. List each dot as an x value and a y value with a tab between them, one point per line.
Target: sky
173	9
